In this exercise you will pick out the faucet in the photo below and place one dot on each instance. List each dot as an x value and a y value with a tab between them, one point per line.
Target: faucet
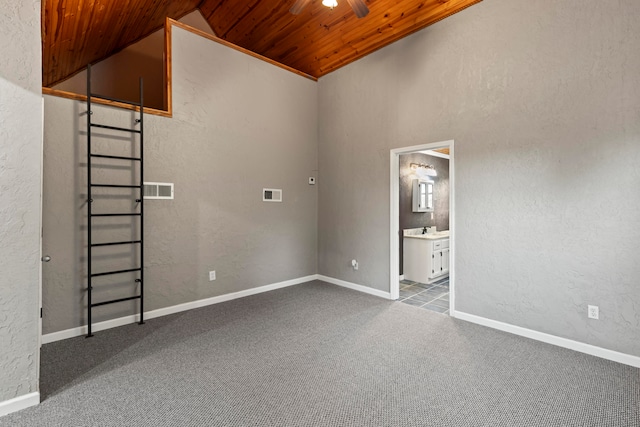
424	230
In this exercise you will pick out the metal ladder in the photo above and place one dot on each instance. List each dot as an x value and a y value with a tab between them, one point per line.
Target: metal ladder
91	215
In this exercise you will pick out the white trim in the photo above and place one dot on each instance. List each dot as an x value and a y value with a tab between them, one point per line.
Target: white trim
394	225
40	237
356	287
603	353
126	320
19	403
394	211
82	330
452	228
121	321
31	399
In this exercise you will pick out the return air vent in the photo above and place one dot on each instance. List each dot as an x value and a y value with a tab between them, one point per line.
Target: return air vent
271	195
158	190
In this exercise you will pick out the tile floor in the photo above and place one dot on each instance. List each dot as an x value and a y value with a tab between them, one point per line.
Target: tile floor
434	297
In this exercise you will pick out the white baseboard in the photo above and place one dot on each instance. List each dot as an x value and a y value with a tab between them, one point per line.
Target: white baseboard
121	321
401	278
82	330
19	403
355	287
603	353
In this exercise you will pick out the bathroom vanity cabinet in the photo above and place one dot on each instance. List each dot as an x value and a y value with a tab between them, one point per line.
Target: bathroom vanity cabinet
425	257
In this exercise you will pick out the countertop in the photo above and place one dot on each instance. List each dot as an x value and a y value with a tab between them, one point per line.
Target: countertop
430	236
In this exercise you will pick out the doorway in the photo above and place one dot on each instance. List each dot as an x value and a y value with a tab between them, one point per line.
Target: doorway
396	233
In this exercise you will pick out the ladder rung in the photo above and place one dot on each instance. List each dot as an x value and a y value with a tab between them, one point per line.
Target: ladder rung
104	156
109	98
115	186
95	125
114	301
106	273
129	242
117	214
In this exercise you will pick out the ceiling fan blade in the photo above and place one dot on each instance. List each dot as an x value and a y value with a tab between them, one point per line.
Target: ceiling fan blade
298	6
359	7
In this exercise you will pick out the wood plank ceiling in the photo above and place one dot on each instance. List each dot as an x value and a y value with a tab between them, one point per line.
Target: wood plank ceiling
316	42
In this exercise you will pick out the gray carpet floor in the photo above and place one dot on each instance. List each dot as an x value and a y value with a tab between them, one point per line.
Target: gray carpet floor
319	355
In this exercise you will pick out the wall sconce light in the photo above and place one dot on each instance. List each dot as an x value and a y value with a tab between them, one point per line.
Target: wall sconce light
330	3
424	169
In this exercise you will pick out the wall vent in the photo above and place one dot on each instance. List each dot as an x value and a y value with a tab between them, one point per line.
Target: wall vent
271	195
158	190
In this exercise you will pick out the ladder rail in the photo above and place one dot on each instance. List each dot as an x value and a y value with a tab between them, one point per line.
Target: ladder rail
89	203
141	201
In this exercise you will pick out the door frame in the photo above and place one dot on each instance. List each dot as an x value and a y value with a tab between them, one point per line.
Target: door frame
41	230
394	228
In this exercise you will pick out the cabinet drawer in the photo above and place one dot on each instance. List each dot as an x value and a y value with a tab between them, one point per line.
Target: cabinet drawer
440	244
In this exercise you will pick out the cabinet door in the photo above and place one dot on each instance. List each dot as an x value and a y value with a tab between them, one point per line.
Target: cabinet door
436	264
416	260
445	260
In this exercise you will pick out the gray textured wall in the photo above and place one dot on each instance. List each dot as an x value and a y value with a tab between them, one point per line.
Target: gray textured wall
240	124
411	219
543	101
20	148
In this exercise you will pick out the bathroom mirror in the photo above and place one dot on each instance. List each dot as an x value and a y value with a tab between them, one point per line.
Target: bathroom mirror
422	195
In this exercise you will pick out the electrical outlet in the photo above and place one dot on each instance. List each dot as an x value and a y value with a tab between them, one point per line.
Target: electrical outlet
212	276
593	312
354	264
